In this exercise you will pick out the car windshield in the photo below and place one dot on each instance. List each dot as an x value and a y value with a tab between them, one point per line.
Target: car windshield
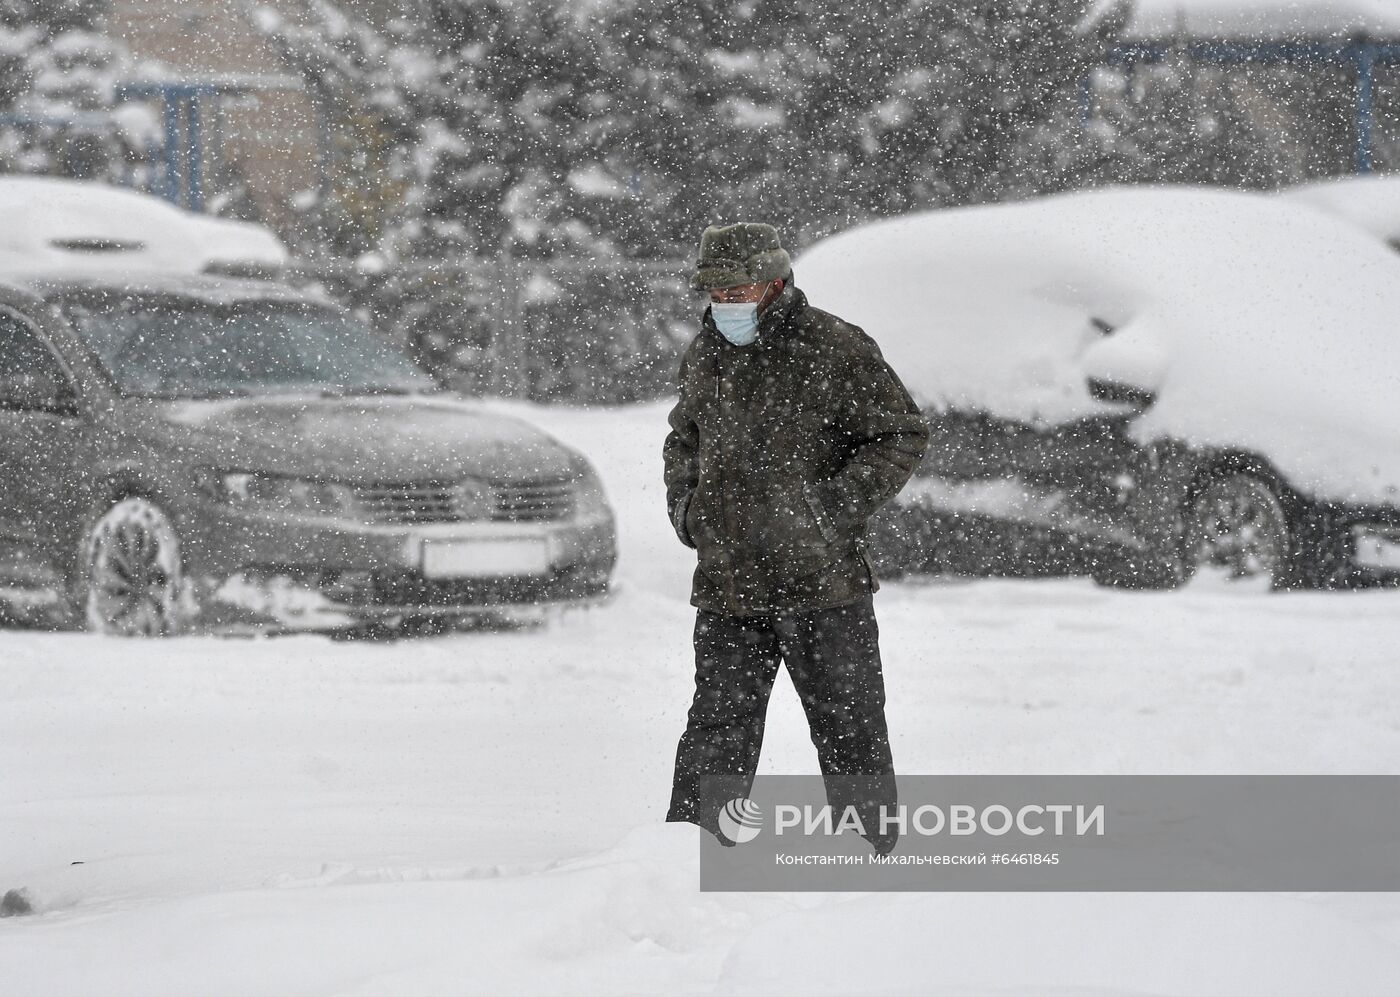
182	348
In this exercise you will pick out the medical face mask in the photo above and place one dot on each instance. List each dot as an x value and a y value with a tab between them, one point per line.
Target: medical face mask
737	321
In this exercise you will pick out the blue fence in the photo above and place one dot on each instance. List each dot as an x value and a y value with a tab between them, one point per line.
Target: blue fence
1361	55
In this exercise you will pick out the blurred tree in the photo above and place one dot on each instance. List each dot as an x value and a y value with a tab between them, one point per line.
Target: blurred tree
1181	122
57	76
356	76
542	128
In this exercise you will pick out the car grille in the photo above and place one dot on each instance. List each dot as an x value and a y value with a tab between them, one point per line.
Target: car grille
511	502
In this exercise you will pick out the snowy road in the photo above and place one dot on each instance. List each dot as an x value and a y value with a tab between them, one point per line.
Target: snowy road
480	812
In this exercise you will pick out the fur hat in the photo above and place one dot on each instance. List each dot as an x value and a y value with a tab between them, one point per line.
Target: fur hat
746	253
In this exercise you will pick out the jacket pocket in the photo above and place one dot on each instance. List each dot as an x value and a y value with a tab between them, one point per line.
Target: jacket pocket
680	520
825	523
785	527
704	523
701	520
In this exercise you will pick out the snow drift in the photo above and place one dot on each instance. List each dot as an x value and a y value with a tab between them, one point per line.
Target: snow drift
1259	325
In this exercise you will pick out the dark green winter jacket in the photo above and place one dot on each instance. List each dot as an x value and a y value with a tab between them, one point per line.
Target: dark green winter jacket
778	454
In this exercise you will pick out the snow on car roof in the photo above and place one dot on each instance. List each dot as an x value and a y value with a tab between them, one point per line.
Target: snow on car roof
1263	20
54	224
1371	202
1259	324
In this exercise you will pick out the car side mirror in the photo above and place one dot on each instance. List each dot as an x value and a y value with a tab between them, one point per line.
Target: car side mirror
1126	365
1138	399
36	393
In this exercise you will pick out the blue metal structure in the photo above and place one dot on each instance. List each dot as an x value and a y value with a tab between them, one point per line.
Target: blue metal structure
1361	54
177	165
182	179
182	106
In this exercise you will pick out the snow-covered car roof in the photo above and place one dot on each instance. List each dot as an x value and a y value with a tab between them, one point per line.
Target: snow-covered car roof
51	225
1372	203
1260	20
1260	325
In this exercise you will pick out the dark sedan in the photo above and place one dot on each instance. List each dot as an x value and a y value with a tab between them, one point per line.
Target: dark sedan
178	450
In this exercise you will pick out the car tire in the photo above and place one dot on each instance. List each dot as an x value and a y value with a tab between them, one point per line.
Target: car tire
1236	525
129	580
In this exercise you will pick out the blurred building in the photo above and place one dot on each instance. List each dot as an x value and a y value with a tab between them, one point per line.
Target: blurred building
1347	54
247	134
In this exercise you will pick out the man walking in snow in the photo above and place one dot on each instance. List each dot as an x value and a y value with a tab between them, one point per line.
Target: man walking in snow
790	431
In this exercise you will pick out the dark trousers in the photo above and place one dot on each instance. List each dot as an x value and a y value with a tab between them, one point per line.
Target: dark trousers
833	656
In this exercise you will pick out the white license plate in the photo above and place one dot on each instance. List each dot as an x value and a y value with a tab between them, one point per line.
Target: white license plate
485	558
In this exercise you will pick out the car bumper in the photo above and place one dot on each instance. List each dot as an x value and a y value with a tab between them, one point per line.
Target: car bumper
1375	548
294	570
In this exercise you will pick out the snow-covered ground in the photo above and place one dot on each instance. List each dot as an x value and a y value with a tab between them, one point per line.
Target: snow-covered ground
481	813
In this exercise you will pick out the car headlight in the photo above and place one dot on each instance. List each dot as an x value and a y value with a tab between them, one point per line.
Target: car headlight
275	493
589	497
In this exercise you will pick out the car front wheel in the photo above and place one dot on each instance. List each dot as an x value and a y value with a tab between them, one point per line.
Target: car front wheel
1238	531
130	578
1235	530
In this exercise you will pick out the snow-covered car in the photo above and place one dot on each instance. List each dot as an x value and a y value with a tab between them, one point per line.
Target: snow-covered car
1141	383
184	448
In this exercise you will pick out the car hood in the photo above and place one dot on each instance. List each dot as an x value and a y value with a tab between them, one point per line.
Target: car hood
416	438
